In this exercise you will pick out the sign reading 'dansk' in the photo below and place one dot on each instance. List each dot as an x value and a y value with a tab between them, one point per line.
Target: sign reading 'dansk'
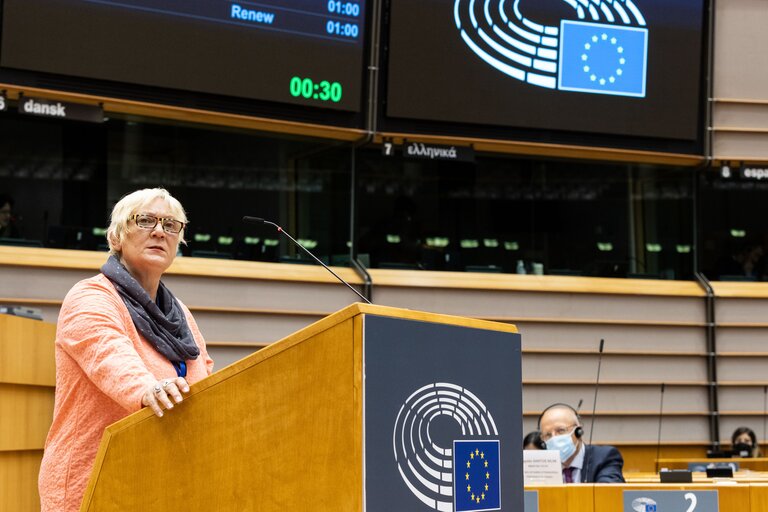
60	110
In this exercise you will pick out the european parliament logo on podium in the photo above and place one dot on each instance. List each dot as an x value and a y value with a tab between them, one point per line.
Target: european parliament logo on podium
443	409
446	446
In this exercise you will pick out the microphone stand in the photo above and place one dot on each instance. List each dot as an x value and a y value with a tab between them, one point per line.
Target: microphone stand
585	476
597	386
765	411
658	440
259	220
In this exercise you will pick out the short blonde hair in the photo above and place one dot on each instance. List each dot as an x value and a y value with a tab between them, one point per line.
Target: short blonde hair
131	204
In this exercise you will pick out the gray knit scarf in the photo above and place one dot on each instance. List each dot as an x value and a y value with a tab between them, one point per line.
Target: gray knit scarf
162	323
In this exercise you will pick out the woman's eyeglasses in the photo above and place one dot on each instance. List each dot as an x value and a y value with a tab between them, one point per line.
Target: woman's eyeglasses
169	225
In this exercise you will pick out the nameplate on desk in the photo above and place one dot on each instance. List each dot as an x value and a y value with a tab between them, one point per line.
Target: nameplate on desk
531	501
542	467
661	501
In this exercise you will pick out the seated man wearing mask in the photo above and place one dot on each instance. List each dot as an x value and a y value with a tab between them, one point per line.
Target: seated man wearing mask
561	430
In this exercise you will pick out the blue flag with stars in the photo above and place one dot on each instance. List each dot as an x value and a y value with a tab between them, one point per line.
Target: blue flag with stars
476	482
603	59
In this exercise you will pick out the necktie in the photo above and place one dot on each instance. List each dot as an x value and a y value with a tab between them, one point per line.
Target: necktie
568	475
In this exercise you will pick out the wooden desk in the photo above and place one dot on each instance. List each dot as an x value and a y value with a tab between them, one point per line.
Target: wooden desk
758	495
27	379
699	477
565	498
756	463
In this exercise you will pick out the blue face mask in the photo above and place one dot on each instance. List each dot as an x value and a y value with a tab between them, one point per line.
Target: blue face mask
564	444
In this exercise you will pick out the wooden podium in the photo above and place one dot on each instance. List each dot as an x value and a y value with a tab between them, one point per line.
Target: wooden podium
287	428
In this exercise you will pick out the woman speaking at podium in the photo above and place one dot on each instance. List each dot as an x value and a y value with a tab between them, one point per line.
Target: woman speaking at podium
123	342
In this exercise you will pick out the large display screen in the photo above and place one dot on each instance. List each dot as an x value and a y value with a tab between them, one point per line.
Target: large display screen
306	52
620	67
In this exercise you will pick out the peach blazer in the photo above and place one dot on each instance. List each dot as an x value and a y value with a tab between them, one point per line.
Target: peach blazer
103	367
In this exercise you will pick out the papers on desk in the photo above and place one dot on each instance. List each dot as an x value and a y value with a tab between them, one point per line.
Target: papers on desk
542	467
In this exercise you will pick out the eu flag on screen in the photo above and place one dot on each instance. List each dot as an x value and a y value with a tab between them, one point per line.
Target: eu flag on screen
603	59
476	479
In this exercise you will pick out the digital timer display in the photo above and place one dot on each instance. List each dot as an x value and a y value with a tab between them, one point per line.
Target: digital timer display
309	89
234	48
344	8
337	28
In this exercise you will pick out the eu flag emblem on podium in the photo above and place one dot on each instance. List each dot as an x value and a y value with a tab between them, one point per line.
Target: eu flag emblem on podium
603	59
476	482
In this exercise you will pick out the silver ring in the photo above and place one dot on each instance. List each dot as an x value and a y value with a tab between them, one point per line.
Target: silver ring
158	389
166	383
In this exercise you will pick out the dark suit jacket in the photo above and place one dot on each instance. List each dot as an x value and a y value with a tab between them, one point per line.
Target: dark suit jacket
602	464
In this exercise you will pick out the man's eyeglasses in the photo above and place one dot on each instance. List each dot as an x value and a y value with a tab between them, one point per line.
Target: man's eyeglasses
546	436
150	221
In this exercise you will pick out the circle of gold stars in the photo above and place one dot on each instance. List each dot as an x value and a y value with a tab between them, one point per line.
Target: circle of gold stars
477	454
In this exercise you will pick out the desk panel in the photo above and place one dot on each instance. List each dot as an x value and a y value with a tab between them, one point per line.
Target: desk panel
733	496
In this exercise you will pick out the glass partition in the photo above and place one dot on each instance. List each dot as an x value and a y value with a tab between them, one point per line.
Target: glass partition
500	213
734	235
519	215
64	178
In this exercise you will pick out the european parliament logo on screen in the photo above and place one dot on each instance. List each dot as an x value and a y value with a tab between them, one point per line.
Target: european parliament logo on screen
462	475
604	50
602	59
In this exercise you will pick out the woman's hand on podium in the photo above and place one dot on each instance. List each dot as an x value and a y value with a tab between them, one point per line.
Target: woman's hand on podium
159	395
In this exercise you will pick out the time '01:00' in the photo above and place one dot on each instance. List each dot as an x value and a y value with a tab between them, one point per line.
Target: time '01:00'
344	8
342	29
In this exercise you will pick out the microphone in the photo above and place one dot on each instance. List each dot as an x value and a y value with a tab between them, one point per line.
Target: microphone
661	415
259	220
597	387
585	473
